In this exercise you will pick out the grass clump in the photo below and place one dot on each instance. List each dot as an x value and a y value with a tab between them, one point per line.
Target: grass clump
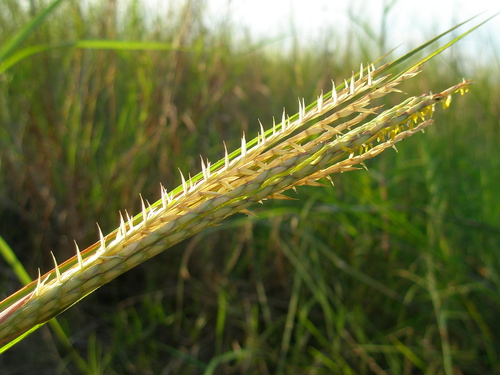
375	275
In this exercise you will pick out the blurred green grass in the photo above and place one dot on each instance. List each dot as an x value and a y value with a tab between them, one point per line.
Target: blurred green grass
395	271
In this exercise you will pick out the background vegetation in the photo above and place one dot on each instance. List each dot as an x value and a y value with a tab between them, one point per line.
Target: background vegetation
395	271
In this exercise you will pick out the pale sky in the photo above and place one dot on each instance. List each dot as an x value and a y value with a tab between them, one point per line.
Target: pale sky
408	21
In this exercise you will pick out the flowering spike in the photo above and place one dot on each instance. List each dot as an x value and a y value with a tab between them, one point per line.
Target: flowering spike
58	274
79	255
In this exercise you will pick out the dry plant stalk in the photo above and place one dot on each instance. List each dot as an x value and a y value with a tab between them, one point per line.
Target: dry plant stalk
298	151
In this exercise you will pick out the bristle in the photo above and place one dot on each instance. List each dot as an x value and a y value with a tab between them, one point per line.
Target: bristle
203	168
190	179
101	238
226	156
243	146
208	164
334	93
56	267
329	178
352	88
38	284
130	220
274	126
150	210
283	121
122	229
184	184
302	109
144	211
361	71
79	256
262	132
320	101
164	197
301	116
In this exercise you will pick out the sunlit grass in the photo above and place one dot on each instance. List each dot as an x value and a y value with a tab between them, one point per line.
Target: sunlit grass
392	271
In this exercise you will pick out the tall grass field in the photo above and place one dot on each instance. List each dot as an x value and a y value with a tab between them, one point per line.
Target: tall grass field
394	270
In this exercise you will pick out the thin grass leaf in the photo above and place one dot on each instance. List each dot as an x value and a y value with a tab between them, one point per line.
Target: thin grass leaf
26	31
112	45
